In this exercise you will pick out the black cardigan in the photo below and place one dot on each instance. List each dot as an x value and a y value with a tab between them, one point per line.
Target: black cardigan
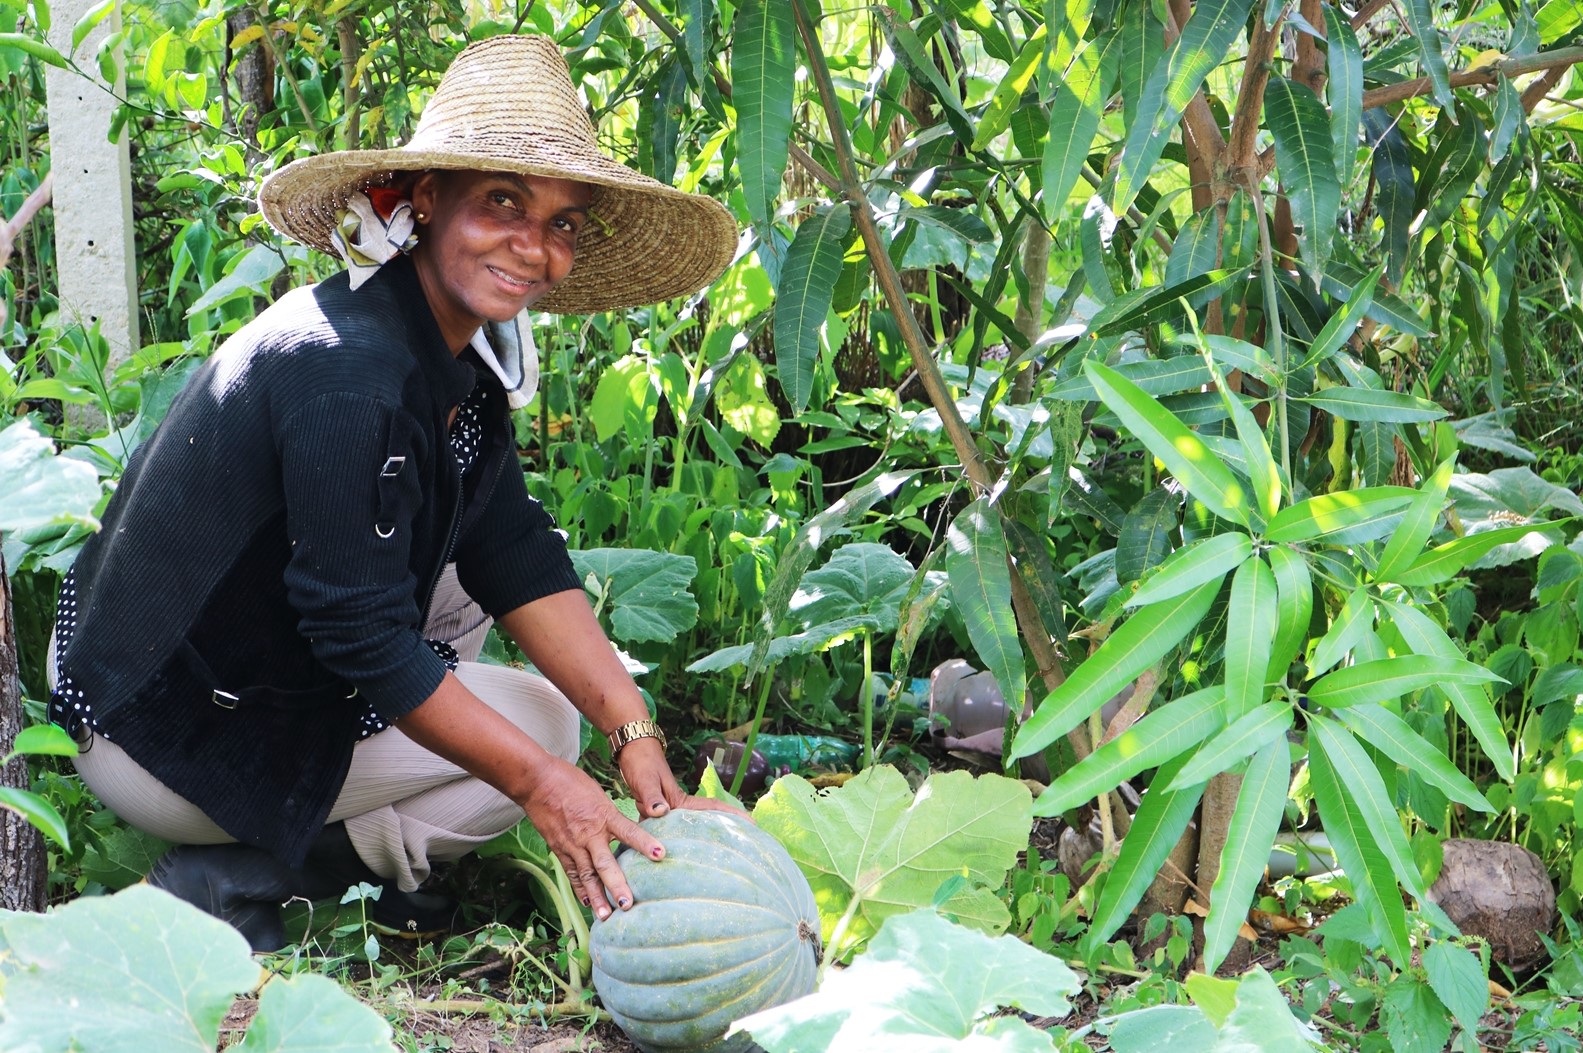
279	538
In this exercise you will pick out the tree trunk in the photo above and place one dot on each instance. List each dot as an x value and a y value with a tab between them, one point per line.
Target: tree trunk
1030	307
255	80
24	867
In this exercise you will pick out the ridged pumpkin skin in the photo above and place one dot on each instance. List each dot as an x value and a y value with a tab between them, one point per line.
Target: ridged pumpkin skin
723	926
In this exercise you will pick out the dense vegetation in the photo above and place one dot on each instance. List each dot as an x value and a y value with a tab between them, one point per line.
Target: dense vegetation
1214	361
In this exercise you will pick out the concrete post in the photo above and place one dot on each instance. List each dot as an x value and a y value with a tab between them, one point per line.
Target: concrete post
93	188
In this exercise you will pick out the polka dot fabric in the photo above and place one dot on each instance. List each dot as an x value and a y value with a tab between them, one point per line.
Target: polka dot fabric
71	710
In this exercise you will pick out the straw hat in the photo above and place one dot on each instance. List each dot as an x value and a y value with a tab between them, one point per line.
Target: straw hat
507	105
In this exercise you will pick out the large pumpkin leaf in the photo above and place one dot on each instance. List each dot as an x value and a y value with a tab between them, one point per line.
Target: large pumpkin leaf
872	850
927	986
646	591
763	68
862	579
802	298
141	970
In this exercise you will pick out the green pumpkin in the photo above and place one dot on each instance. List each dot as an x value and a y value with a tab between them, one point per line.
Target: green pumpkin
724	926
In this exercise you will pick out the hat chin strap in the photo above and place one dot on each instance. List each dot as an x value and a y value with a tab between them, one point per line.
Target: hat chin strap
507	348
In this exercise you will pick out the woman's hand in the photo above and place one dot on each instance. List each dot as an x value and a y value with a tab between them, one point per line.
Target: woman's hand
578	821
654	787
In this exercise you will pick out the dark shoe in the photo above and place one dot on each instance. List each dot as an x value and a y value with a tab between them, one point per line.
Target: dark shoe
239	884
334	866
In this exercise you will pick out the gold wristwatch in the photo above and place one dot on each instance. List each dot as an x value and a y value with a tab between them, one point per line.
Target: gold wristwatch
631	731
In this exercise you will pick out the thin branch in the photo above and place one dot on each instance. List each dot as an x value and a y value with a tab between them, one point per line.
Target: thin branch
1368	11
1558	59
1309	68
1029	620
285	67
1200	132
1535	93
351	52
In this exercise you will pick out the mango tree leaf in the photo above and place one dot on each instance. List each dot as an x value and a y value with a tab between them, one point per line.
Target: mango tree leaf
38	811
1355	618
1393	176
1458	980
1408	541
1294	599
1143	307
1161	818
1179	449
1371	404
1392	736
924	984
1386	679
1137	644
1008	95
802	298
1145	538
1343	90
647	591
1156	376
1167	732
1263	472
872	850
763	76
1361	856
1260	804
1361	780
1341	325
42	489
308	1012
1247	735
1305	156
1194	250
1452	167
1074	117
1250	635
1421	22
1197	562
1471	701
174	970
913	52
1344	517
980	575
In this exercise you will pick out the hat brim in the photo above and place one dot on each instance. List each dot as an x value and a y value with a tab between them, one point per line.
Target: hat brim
645	243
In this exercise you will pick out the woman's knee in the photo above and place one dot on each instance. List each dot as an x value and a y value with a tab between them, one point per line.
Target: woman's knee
530	702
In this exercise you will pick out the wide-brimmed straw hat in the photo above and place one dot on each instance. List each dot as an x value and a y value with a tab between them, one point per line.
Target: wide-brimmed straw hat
507	105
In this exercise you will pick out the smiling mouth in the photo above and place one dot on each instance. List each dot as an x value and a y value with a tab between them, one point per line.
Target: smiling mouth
509	280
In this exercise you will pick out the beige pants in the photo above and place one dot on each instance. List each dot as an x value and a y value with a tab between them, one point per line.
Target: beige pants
403	806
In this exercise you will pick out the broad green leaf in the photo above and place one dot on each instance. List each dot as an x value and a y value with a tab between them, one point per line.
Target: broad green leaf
1457	978
860	578
42	489
646	592
1305	156
1195	563
1361	782
1137	644
1444	562
1161	818
1392	736
1195	248
1361	856
810	538
1204	43
1179	449
1355	618
1161	735
1343	90
1471	701
1344	517
763	78
1372	404
42	740
743	399
1263	1021
1145	538
1178	1028
777	649
1250	633
1252	732
1387	679
1421	21
1341	325
174	972
308	1013
251	272
924	984
1008	95
980	578
1407	543
802	298
121	857
625	400
1260	805
1294	591
711	788
872	841
37	811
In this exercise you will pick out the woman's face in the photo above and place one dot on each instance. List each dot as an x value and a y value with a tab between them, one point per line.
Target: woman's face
493	243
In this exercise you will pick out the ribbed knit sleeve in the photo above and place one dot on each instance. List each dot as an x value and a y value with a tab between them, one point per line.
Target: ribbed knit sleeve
514	554
351	469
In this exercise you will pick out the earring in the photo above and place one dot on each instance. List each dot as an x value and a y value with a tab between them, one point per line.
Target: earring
420	216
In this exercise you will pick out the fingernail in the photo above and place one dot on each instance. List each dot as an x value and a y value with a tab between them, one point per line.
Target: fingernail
657	852
603	912
623	903
657	807
585	901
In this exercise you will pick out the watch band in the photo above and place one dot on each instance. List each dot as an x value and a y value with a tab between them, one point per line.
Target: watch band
631	731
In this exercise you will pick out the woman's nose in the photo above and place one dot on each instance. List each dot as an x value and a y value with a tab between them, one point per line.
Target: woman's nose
528	242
